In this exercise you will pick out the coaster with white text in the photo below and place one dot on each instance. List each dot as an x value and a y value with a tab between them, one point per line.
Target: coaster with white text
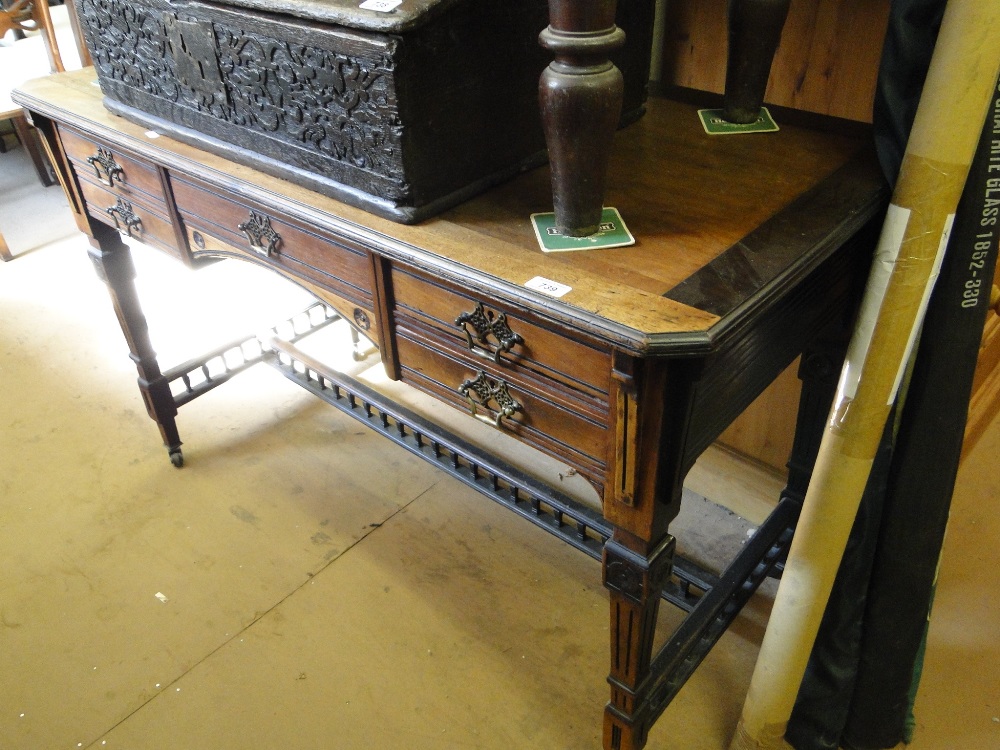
715	124
612	233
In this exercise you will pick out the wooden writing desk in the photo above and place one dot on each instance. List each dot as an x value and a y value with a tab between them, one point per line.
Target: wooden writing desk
750	252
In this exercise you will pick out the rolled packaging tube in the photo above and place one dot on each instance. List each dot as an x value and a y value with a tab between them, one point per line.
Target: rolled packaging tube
938	154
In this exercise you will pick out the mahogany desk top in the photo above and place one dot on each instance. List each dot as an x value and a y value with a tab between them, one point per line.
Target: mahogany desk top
697	204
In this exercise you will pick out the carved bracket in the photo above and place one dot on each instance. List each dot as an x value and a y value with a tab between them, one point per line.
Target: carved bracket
636	577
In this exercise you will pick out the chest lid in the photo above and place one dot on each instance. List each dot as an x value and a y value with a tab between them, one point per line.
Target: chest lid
388	16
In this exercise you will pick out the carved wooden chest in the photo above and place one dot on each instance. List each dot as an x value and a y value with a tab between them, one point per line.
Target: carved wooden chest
401	108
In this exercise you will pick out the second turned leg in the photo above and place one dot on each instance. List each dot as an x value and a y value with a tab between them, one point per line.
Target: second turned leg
113	262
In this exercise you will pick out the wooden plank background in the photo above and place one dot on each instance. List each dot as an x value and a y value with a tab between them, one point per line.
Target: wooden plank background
827	61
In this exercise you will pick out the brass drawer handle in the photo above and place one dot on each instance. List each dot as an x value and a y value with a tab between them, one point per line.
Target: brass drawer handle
485	324
480	391
125	218
260	234
105	160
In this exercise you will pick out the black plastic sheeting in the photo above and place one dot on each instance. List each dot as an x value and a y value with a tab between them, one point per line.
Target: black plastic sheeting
906	56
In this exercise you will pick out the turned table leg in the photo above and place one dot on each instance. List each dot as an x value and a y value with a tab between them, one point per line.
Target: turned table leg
754	33
113	262
580	96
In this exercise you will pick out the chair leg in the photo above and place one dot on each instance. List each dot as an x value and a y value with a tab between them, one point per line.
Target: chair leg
5	253
29	139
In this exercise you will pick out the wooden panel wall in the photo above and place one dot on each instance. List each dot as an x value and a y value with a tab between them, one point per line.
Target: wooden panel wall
827	61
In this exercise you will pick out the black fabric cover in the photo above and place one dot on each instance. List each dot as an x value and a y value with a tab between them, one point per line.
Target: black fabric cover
906	56
824	699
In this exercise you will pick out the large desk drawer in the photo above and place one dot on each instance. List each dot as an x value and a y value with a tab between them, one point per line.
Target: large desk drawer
535	414
297	250
483	356
135	217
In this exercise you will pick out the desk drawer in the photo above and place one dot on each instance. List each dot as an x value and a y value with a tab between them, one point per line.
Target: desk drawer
99	164
535	416
135	217
492	331
297	250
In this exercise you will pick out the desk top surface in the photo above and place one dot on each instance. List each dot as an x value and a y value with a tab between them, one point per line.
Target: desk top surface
722	223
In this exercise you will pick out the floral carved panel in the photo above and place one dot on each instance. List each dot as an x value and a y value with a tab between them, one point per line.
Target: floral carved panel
336	105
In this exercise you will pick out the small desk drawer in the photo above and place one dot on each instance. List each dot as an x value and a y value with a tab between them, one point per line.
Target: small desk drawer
111	168
134	217
536	411
494	332
298	250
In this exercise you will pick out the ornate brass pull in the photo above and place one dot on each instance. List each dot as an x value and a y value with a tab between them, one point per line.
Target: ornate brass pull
480	391
125	218
484	325
105	160
259	231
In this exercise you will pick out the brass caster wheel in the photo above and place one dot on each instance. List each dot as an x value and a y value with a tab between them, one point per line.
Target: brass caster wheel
177	458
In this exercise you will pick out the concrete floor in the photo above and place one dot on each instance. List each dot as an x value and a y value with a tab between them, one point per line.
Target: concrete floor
302	583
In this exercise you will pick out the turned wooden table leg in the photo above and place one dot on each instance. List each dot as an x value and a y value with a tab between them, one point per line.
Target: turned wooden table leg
754	32
580	96
113	263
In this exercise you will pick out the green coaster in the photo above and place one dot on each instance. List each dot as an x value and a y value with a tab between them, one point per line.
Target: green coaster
613	233
711	120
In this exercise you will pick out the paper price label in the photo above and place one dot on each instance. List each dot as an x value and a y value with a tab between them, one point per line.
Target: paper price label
381	6
547	286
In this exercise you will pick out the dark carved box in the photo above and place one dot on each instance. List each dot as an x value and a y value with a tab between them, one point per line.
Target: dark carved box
401	110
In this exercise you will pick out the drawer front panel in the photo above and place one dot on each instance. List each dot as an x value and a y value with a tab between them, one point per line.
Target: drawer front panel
585	403
134	218
535	419
110	167
296	250
494	332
